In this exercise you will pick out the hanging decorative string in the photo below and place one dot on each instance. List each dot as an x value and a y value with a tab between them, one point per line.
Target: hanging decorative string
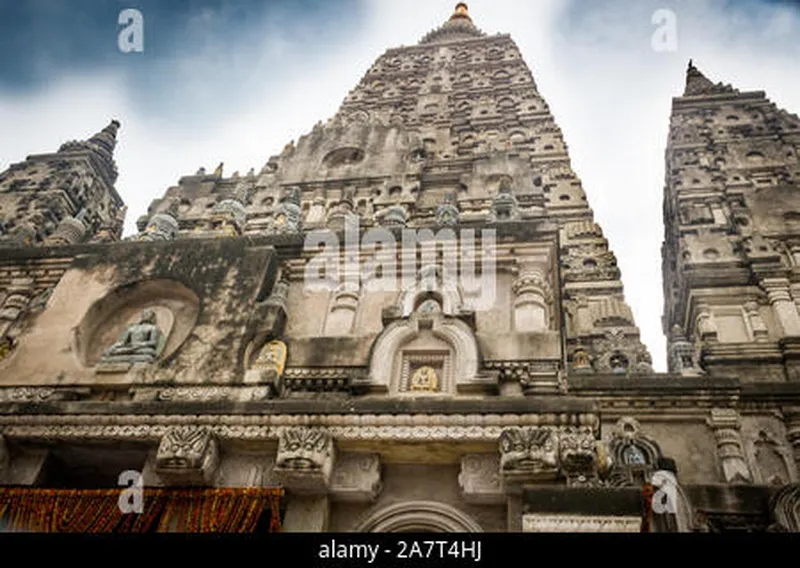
230	510
648	491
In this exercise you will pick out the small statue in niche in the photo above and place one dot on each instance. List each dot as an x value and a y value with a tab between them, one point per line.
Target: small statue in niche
141	342
268	367
619	364
424	379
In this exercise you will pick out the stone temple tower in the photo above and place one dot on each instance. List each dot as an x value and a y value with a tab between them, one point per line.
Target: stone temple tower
408	320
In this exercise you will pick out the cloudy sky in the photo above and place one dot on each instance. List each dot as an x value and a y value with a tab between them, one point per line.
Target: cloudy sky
233	81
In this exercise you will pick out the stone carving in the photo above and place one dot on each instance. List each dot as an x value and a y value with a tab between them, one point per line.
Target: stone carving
704	323
480	479
578	456
268	367
528	454
682	356
70	231
621	354
580	524
504	205
447	213
229	217
424	379
785	505
288	217
160	227
357	478
733	465
394	216
140	343
203	394
187	455
305	459
633	455
771	460
760	331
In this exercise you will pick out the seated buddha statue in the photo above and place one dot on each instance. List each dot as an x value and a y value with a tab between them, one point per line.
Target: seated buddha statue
139	343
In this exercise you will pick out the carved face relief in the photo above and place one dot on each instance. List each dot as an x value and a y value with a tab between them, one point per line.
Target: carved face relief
528	449
578	449
187	449
304	449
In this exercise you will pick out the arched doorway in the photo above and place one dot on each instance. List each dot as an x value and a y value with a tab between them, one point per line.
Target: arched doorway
418	516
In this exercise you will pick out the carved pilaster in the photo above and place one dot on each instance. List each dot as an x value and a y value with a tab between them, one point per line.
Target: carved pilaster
480	479
783	305
531	303
357	478
187	455
730	451
704	324
305	460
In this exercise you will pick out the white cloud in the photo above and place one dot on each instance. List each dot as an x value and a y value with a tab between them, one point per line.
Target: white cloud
608	90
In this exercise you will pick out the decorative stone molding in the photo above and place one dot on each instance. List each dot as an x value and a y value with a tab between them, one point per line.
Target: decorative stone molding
529	454
580	524
417	516
448	428
480	479
356	478
288	217
40	394
201	394
621	353
160	227
187	456
447	213
535	377
725	424
305	460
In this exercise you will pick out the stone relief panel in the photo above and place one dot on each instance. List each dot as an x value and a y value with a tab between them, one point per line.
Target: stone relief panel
480	479
768	451
529	454
137	324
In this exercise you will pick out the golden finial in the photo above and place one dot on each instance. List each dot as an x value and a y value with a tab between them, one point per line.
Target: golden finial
462	10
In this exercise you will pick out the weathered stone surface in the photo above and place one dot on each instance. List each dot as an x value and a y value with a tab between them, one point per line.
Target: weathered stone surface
187	455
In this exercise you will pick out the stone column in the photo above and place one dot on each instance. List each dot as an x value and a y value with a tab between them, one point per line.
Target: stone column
531	302
783	305
730	452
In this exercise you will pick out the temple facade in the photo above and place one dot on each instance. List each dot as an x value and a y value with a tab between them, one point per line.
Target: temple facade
408	320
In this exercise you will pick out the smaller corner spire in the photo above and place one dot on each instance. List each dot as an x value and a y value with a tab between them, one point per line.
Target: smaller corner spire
106	140
699	84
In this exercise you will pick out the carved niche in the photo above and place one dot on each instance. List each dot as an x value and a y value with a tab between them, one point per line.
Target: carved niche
772	462
135	325
634	455
187	455
427	345
305	460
